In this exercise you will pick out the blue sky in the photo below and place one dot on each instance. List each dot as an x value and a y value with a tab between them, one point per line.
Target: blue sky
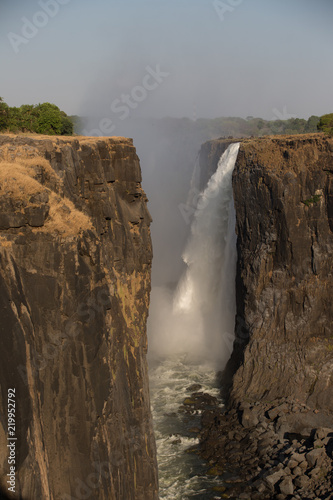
266	58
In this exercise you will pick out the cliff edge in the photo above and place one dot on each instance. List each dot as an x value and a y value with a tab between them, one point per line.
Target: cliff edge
283	194
283	190
75	263
275	438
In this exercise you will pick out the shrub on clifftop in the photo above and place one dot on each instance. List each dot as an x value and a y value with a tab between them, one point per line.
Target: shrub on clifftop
49	119
43	118
326	124
3	114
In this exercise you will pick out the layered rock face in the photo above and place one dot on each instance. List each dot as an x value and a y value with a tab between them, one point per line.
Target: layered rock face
276	436
75	262
283	191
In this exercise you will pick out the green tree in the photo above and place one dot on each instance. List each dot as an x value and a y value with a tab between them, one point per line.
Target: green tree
14	119
28	118
48	119
67	125
44	118
3	114
78	124
312	124
326	124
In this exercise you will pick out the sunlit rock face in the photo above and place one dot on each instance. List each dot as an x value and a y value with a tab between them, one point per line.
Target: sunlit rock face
283	192
75	263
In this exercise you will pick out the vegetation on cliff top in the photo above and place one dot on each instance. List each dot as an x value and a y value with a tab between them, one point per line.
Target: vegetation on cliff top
204	129
48	119
326	124
257	127
43	118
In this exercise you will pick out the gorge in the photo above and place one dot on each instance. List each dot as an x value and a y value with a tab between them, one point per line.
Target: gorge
75	282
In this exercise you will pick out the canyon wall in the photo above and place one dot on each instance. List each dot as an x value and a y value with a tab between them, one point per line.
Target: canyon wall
75	263
283	192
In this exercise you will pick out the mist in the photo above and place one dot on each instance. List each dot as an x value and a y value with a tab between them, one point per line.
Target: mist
260	58
151	70
197	317
223	58
165	73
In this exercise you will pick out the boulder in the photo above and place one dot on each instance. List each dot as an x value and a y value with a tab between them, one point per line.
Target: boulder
249	418
316	457
286	486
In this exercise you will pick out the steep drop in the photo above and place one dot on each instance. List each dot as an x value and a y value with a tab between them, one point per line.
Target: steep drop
191	334
280	377
75	258
205	297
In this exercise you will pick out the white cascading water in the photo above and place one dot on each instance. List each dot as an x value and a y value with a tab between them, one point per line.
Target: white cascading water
205	297
191	332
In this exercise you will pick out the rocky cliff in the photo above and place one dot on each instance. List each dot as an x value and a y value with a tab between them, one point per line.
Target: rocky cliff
275	439
283	192
75	262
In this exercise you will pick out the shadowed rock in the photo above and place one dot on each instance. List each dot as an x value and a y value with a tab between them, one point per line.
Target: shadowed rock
75	262
283	192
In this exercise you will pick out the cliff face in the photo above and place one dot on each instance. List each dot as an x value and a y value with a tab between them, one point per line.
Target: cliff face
283	191
75	262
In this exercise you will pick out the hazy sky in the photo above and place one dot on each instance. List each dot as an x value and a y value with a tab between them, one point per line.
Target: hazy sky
223	58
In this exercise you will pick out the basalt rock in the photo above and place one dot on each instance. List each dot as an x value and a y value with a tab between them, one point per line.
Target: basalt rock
283	193
278	384
75	262
262	463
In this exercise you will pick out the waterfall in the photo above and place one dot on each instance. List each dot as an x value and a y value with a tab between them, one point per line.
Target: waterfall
198	319
191	334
